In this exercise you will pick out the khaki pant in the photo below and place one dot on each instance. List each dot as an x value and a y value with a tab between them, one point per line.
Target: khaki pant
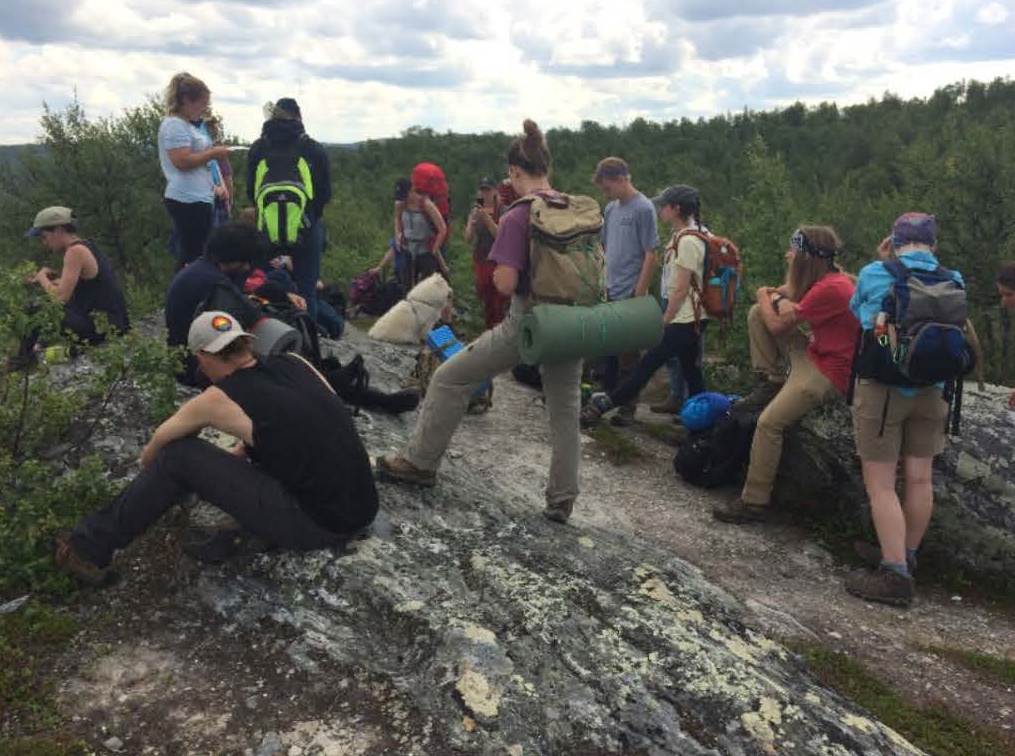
495	352
907	426
804	389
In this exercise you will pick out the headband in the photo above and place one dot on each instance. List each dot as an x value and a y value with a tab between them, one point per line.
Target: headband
801	243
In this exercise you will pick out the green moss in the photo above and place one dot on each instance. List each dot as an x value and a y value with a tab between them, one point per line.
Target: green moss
42	747
618	448
934	728
994	669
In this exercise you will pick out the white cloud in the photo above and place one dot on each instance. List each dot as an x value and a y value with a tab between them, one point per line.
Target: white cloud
373	69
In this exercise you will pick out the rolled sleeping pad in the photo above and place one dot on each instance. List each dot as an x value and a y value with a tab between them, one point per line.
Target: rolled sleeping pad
558	333
272	336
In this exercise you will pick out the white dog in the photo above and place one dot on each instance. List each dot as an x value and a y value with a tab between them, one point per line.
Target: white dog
409	321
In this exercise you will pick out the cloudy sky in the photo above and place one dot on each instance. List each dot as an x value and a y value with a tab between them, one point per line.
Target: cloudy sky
373	68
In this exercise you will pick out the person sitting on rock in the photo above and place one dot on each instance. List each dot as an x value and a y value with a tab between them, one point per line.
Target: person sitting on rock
1006	293
86	284
299	479
497	351
817	293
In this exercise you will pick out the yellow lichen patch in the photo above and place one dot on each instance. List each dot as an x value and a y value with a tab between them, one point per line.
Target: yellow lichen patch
407	607
812	699
480	635
860	723
586	542
757	727
515	750
468	724
477	694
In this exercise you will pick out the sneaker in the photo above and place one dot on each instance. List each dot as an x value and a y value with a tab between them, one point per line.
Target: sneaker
760	396
559	511
623	417
870	554
598	405
402	471
67	558
671	406
739	512
217	546
883	585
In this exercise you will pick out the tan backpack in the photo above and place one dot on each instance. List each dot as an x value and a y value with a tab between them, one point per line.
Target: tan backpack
566	260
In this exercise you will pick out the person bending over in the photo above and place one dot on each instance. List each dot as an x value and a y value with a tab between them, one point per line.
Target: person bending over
497	351
817	293
299	479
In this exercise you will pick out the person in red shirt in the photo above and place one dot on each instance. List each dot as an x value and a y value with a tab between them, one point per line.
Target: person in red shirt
817	293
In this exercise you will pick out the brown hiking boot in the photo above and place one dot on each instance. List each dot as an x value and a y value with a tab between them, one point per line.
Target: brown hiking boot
870	554
68	559
760	396
739	512
402	471
883	585
559	511
670	407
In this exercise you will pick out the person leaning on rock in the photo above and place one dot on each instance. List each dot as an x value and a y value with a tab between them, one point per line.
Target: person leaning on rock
299	479
497	351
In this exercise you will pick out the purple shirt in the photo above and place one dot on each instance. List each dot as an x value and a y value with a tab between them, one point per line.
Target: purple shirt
511	247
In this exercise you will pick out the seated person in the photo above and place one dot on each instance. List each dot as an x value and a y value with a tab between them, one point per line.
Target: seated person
86	284
232	249
300	479
817	293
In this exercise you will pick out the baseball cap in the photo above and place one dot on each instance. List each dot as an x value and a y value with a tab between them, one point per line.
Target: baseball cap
213	331
402	187
914	228
678	194
486	183
50	217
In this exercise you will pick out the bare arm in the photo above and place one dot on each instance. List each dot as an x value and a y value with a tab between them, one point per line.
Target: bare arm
648	266
439	224
777	322
505	279
77	260
184	159
470	227
210	408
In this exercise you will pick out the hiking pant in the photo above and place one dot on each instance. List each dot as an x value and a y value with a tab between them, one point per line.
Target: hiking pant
495	352
260	504
307	265
73	324
192	222
678	386
495	304
804	389
679	340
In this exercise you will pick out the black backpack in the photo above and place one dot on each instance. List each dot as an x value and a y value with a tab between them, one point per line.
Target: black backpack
283	193
719	455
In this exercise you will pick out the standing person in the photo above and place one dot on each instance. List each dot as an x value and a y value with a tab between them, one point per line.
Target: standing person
817	293
223	191
890	422
481	232
299	479
497	350
283	134
396	248
423	232
185	151
630	239
683	321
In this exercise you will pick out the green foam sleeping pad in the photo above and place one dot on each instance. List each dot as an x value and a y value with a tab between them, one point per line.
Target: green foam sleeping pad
557	333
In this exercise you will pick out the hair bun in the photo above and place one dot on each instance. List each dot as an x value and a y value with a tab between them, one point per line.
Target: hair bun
532	132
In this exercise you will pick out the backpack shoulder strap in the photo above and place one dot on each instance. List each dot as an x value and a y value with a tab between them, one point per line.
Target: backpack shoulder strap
898	269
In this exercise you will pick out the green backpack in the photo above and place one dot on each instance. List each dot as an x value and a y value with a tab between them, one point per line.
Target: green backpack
282	190
566	260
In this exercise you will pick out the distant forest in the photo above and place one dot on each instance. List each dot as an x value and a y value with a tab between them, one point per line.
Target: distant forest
760	174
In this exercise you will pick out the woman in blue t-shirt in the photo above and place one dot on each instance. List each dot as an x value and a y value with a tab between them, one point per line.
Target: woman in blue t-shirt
185	152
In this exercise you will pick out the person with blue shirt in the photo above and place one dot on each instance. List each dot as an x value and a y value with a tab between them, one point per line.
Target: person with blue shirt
890	422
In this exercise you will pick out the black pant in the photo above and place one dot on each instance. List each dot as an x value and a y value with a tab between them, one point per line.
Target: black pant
193	221
680	340
258	501
73	324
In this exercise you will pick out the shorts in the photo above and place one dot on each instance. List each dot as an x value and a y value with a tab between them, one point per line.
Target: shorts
914	426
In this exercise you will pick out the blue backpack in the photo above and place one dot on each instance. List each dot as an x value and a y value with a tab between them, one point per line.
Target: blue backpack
702	411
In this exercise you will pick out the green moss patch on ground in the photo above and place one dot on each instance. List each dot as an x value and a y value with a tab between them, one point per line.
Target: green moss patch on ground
993	669
618	448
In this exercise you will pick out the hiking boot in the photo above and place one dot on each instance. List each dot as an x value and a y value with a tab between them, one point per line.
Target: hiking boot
67	558
401	470
883	584
217	546
671	406
760	396
870	554
739	512
623	417
598	405
559	511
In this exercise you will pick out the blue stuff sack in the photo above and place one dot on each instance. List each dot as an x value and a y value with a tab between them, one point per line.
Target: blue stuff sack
703	410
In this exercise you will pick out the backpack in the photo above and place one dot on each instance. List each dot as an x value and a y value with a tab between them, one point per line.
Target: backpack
429	179
919	338
363	289
719	455
282	190
702	411
722	271
566	261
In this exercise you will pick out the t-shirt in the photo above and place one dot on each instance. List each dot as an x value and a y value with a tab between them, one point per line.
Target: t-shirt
825	308
184	186
689	253
629	229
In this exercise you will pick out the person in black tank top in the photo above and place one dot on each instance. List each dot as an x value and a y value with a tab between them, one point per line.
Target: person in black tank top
86	284
299	479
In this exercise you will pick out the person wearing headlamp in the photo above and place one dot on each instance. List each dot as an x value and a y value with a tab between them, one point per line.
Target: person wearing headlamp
816	293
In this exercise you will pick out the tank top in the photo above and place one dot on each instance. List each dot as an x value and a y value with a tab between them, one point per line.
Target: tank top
305	438
417	232
100	294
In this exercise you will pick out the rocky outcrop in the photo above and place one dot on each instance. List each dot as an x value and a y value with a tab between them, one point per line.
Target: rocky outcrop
974	479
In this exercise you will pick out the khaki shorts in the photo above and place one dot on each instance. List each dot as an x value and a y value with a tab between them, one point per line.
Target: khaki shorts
914	425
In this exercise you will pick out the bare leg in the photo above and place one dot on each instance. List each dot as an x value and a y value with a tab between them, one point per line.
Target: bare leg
886	510
919	497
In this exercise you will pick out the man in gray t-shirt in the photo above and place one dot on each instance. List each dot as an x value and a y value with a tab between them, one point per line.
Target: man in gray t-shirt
630	239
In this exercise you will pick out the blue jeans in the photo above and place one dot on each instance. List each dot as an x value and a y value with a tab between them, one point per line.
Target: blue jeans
678	386
307	265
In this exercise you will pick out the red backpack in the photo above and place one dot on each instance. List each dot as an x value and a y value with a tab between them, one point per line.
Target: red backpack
428	179
720	284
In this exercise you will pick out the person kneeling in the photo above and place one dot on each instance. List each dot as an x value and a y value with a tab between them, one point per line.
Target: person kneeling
301	478
818	294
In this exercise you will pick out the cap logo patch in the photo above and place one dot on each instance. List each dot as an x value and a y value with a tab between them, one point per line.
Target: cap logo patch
221	323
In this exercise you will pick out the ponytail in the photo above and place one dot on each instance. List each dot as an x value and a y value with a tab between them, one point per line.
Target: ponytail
182	87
